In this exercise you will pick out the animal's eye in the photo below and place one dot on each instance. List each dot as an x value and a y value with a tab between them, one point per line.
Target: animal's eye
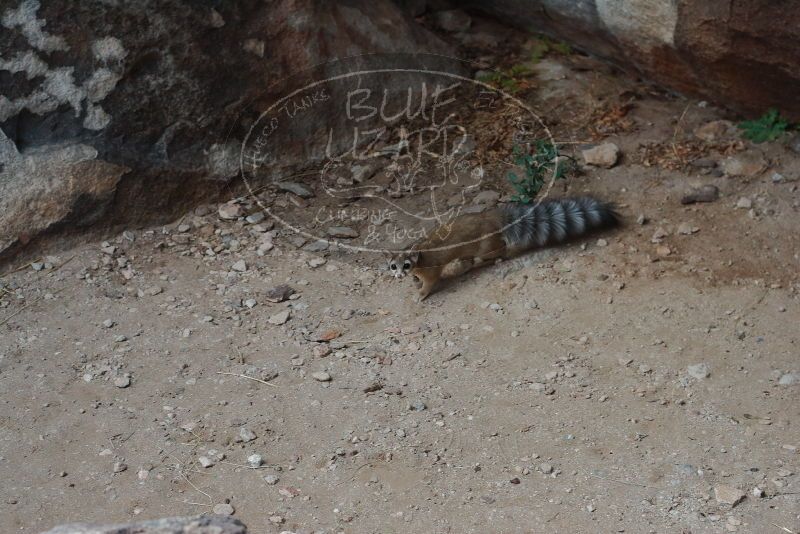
393	266
407	265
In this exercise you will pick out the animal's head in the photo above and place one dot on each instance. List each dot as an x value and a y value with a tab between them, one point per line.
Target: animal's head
401	264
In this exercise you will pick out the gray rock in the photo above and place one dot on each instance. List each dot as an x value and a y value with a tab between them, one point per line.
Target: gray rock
279	293
279	318
122	381
320	245
706	193
546	468
699	371
452	20
230	211
205	524
344	232
293	187
271	479
246	435
255	460
223	509
321	376
240	266
255	218
789	379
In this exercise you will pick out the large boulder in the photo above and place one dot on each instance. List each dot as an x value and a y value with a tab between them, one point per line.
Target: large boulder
744	55
126	113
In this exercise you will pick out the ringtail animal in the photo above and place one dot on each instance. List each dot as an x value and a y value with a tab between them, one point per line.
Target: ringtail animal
503	232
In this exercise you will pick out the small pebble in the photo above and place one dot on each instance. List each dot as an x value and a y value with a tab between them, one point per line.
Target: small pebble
223	509
122	381
321	376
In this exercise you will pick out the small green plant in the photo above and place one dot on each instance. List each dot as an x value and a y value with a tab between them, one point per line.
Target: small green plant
507	80
543	46
768	127
536	166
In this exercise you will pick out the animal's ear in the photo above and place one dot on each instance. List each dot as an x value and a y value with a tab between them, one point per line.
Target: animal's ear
414	257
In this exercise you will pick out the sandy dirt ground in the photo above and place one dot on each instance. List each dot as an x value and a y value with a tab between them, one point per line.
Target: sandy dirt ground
557	392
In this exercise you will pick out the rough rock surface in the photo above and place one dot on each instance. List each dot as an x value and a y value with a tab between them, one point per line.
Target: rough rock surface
125	113
175	525
744	55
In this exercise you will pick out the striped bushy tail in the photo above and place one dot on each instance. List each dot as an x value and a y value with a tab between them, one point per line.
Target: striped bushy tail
554	221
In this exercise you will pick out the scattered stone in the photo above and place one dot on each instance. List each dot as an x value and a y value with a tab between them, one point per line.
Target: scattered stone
546	468
713	131
728	495
486	197
789	379
320	351
206	462
108	323
279	293
605	155
319	245
641	219
777	178
246	435
279	318
255	460
744	203
344	232
758	492
372	387
706	193
223	509
659	235
271	479
328	335
153	291
123	381
687	229
230	211
240	266
452	20
255	218
37	266
417	406
119	467
250	303
700	371
321	376
295	188
317	262
744	164
663	250
276	519
794	144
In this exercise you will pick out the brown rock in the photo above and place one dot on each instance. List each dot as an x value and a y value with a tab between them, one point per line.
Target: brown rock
744	55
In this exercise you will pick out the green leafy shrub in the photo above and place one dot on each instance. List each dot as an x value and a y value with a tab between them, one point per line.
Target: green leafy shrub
768	127
536	166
